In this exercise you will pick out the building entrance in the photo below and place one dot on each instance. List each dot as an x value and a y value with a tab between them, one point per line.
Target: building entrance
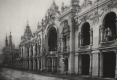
109	63
85	64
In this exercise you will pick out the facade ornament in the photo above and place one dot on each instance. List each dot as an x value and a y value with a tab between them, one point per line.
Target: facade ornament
86	3
91	36
62	8
102	36
95	16
76	25
112	4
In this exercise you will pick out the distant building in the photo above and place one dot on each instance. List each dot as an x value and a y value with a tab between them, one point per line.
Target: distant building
9	52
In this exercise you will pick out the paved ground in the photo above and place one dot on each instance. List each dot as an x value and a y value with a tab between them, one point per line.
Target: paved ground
49	76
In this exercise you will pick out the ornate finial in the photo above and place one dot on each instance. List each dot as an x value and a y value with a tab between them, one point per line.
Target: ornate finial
62	8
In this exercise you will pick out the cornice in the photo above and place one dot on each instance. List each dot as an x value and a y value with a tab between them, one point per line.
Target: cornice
93	7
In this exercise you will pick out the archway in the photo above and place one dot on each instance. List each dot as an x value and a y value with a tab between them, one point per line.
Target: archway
54	64
66	64
50	64
52	39
85	64
85	34
109	23
109	63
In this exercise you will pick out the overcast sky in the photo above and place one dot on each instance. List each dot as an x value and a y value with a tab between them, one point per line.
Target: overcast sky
15	13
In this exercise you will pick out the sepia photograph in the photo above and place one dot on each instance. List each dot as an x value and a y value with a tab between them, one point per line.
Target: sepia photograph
58	39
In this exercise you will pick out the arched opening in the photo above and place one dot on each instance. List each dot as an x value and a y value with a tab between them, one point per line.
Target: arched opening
109	64
66	64
31	50
85	64
110	26
55	64
52	39
50	64
28	51
85	34
36	48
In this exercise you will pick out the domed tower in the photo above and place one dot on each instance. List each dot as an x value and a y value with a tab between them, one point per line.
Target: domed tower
27	32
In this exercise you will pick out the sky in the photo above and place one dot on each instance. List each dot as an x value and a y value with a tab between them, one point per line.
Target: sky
14	15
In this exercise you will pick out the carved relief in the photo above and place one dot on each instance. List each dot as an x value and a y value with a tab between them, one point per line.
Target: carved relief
86	3
112	4
95	16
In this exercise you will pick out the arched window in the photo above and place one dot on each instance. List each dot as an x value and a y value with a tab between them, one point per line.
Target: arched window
109	24
52	39
85	31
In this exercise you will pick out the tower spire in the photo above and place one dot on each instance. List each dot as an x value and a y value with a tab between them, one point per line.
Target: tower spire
10	39
27	23
6	41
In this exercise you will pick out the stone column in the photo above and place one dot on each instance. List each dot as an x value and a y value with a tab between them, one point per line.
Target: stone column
37	64
71	58
52	64
34	51
90	70
101	65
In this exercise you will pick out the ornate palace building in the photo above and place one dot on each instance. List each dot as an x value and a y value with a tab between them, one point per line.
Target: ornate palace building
78	39
9	52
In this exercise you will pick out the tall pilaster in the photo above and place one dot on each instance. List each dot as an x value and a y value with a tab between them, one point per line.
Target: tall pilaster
74	4
72	51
